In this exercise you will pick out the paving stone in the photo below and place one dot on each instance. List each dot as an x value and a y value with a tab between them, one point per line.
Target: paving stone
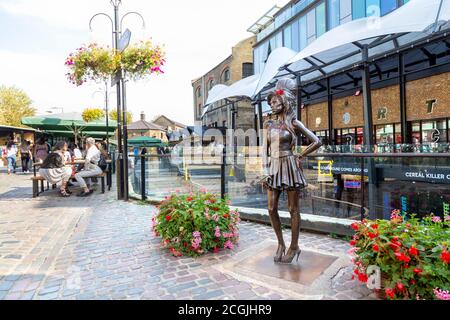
209	295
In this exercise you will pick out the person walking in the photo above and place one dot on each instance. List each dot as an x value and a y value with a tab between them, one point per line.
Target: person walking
91	168
11	156
25	155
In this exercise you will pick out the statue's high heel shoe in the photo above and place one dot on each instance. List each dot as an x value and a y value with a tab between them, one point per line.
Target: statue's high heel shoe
289	257
279	254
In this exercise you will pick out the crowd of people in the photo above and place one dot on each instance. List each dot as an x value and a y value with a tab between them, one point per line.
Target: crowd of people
56	165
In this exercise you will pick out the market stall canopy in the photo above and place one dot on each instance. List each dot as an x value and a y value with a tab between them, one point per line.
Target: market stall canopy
144	141
342	46
66	121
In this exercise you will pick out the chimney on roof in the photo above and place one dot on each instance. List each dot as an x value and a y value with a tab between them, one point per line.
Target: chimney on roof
142	116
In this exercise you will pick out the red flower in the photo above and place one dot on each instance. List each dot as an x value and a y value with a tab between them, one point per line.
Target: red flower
353	243
189	199
374	226
279	92
185	244
355	226
372	235
390	293
215	209
216	240
375	248
363	277
412	281
413	251
445	257
168	217
418	271
400	286
216	250
402	257
226	215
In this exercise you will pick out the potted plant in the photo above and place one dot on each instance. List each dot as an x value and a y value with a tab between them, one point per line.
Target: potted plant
412	255
196	223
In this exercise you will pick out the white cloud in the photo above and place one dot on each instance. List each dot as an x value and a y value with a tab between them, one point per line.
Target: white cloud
197	35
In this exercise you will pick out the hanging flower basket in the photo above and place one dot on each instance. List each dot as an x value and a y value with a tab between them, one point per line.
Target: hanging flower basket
97	63
195	224
412	256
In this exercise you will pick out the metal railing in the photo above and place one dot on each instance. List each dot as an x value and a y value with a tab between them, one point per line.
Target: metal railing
375	177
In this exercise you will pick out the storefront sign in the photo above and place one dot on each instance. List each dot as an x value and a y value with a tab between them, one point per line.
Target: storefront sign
382	113
430	105
325	168
436	135
352	184
404	205
318	121
428	175
346	118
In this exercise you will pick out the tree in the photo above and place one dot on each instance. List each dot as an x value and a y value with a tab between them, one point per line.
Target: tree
14	105
92	114
113	116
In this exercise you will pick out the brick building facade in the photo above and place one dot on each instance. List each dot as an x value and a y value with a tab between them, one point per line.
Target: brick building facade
235	67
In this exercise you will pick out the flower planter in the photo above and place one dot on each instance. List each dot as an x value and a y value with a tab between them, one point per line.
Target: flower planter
195	224
412	255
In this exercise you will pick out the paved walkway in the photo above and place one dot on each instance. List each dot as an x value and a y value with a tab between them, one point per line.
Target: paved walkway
100	248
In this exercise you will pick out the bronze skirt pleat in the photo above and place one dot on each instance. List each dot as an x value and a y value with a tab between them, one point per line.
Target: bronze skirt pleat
284	174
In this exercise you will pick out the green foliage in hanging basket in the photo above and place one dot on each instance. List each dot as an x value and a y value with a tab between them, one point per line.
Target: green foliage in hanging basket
92	114
99	64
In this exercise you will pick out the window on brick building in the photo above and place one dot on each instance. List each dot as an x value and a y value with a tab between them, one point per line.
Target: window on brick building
247	69
226	75
210	84
199	92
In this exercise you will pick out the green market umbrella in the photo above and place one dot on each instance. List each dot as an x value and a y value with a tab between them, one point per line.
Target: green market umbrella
145	142
70	124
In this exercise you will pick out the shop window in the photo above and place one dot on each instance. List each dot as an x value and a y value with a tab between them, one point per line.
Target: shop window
398	133
373	8
359	136
384	134
321	25
295	35
358	9
345	9
303	33
287	37
333	13
311	26
415	133
388	6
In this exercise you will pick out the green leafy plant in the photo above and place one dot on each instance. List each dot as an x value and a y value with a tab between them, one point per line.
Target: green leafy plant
92	114
196	223
413	255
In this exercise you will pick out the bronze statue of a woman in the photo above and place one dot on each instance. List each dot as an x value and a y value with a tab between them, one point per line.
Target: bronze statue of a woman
284	167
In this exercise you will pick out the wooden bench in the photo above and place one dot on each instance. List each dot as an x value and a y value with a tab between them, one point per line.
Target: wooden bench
37	178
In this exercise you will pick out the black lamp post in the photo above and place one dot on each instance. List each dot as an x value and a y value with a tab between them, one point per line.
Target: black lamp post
122	146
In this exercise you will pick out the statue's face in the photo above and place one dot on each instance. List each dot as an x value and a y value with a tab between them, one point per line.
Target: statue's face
276	103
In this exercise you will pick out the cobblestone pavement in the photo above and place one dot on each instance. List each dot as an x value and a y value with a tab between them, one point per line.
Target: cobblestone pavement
100	248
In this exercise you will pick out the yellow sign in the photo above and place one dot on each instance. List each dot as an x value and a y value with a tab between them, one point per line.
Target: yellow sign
325	168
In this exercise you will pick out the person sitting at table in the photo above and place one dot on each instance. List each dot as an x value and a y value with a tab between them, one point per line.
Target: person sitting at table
54	170
91	169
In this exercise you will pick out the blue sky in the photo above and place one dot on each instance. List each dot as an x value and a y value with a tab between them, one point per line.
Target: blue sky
37	36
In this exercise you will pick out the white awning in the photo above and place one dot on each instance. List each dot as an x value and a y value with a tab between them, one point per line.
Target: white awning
278	58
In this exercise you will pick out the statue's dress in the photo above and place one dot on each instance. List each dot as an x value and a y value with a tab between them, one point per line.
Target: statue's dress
284	173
